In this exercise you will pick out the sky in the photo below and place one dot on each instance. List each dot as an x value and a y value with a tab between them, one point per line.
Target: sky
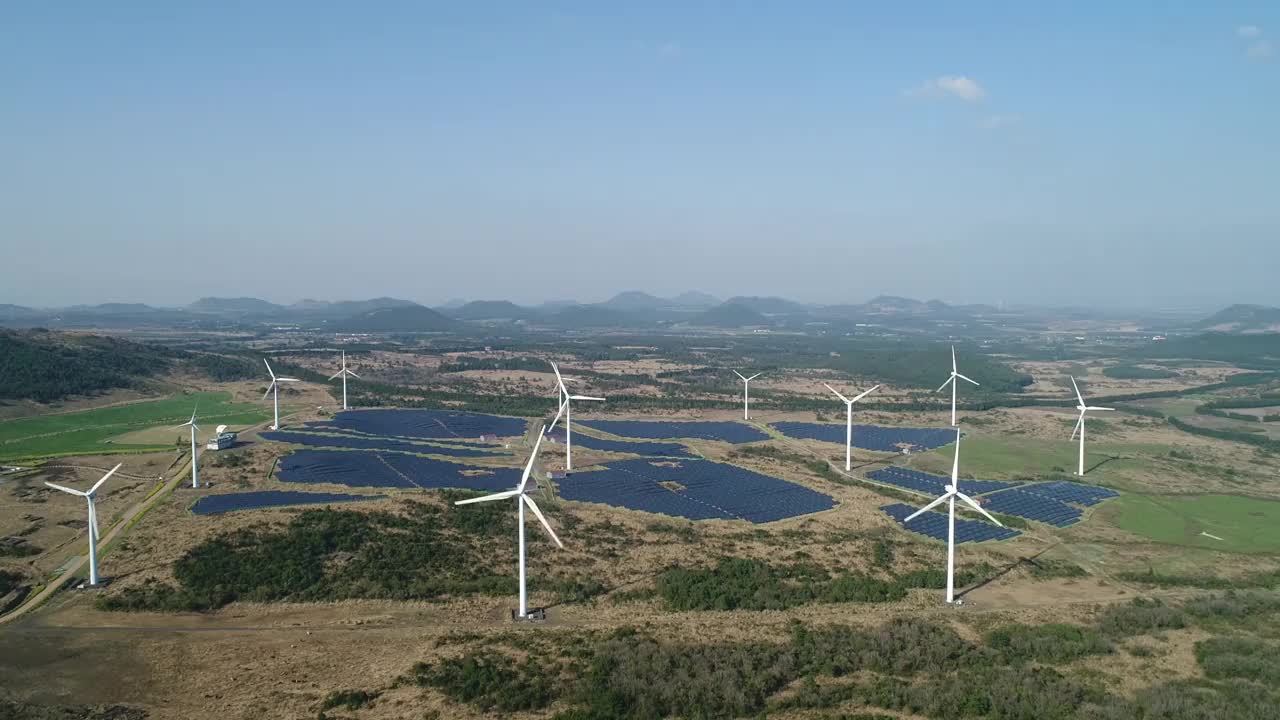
1091	153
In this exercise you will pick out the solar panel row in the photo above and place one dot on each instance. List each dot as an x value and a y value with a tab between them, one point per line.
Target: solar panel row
1072	492
653	449
215	504
427	424
1026	504
732	432
368	442
934	525
358	468
699	490
934	484
869	437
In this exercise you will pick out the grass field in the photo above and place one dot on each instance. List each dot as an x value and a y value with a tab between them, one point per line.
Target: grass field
92	431
1244	525
996	457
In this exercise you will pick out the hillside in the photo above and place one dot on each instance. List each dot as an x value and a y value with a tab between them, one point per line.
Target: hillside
729	315
413	318
634	300
695	299
234	306
1243	318
489	310
46	366
768	305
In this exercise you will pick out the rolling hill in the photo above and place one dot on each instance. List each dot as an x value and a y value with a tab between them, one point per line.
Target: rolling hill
489	310
1242	319
412	318
729	315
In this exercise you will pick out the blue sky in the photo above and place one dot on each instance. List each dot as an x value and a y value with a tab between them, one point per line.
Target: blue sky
1089	153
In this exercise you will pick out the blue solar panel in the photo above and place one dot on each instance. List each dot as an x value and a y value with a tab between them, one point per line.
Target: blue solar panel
214	504
653	449
358	468
1072	492
1029	505
934	525
418	424
934	484
710	490
732	432
870	437
370	442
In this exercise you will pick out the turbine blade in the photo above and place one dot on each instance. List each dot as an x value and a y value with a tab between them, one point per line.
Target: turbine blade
973	504
559	412
740	375
1098	408
845	399
98	484
1079	420
925	509
955	461
270	387
65	489
538	513
264	362
864	394
488	498
962	377
943	385
559	380
352	374
287	379
953	359
528	468
1077	388
336	375
753	377
586	397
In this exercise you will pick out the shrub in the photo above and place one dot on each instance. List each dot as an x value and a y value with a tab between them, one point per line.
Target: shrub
1052	643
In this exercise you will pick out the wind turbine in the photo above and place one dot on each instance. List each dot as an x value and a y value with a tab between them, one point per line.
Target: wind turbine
343	373
565	397
195	481
952	382
949	497
1080	422
274	388
848	432
93	520
521	501
746	397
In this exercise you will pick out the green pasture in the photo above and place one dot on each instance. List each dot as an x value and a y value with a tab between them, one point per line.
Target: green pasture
89	431
1237	524
1006	457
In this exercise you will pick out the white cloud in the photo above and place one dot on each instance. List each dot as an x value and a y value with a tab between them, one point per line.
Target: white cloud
1261	50
993	122
955	85
1248	31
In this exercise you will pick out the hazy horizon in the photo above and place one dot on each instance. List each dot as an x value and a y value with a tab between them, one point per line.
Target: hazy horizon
1090	155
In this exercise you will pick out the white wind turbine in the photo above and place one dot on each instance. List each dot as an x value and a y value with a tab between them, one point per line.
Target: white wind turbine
343	373
949	497
848	432
274	388
565	397
952	382
1080	422
521	501
746	396
195	480
93	520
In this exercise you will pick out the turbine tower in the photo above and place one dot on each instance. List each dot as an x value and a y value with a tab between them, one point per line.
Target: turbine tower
746	396
848	432
521	501
565	397
195	479
274	389
343	373
952	382
93	520
1080	422
949	497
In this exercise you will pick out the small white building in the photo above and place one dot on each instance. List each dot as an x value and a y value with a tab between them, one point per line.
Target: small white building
222	440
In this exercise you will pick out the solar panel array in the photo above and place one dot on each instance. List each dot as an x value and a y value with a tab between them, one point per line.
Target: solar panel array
934	525
427	424
215	504
1077	493
368	442
732	432
710	490
1027	504
869	437
358	468
654	449
933	484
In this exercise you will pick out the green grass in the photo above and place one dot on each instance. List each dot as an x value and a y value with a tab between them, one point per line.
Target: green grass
1246	525
996	457
88	431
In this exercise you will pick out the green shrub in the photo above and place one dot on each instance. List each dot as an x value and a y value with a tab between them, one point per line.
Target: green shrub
1052	643
1139	617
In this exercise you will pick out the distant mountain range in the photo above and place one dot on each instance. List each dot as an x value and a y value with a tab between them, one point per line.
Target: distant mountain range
632	309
